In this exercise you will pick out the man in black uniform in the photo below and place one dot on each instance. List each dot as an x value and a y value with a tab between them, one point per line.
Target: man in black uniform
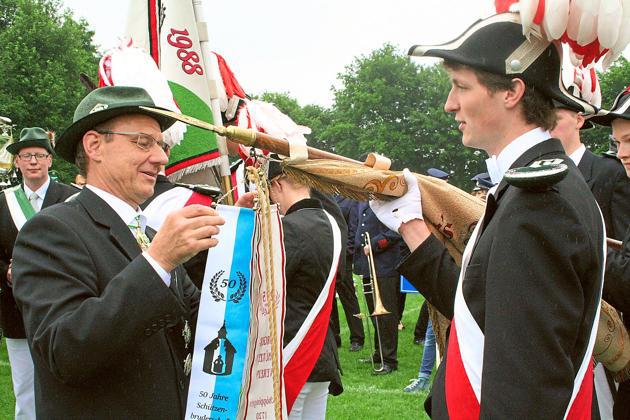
605	177
386	250
33	157
309	271
524	306
617	282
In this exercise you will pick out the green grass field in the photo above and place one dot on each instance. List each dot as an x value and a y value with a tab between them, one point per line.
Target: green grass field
365	396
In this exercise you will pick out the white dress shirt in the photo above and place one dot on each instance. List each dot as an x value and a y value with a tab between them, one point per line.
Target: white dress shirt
498	165
41	193
577	154
128	215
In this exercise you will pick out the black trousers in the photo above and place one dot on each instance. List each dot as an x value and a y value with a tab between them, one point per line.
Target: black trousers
350	304
389	288
621	408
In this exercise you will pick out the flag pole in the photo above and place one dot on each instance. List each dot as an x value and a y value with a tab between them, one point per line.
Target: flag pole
224	163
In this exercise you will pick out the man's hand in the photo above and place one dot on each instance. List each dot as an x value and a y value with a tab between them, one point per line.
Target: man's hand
185	233
246	200
10	275
366	250
401	210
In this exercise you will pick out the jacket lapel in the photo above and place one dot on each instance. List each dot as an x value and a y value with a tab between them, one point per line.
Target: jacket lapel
586	167
53	194
548	149
105	216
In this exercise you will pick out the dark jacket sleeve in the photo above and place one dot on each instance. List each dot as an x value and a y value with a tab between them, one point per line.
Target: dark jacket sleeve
537	292
77	330
433	272
620	206
384	240
617	278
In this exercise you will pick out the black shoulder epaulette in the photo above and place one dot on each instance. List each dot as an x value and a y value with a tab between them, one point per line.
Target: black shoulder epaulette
539	176
203	189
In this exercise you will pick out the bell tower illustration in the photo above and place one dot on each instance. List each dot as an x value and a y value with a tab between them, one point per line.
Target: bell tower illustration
219	355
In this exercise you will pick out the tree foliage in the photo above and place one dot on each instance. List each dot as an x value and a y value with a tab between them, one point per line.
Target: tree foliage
42	52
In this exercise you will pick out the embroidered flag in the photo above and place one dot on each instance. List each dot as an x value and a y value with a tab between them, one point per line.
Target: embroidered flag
168	30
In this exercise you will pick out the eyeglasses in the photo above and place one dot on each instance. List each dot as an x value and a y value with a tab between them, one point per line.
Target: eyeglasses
37	156
142	140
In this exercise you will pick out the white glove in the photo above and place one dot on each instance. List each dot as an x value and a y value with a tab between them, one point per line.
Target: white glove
401	210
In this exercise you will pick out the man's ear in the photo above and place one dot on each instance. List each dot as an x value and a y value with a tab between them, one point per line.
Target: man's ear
514	95
579	121
92	142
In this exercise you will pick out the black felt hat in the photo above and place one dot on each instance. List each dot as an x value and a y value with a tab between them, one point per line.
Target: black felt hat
31	137
104	104
620	109
497	45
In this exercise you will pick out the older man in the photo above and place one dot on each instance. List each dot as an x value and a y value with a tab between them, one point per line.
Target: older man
524	304
108	310
33	158
617	281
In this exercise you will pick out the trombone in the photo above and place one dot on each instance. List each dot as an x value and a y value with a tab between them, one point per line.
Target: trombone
379	309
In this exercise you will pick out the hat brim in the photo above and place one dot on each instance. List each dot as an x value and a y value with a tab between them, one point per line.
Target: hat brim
14	148
620	109
67	142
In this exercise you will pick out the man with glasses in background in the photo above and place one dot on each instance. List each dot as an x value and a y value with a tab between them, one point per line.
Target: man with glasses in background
108	309
33	158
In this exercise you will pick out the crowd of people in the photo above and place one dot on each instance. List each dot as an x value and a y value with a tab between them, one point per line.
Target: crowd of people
100	286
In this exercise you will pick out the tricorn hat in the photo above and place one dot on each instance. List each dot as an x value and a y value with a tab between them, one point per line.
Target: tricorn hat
620	109
497	45
104	104
31	137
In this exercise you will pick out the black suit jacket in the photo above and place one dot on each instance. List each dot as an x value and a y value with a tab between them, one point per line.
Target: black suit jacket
105	332
196	266
10	318
533	287
308	263
611	187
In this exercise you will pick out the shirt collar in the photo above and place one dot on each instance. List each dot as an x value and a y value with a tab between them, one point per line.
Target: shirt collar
576	156
41	191
498	165
127	213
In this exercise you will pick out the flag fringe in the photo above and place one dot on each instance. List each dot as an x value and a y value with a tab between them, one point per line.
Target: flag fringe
197	167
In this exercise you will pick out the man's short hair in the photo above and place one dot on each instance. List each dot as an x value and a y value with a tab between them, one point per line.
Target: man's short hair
80	158
537	108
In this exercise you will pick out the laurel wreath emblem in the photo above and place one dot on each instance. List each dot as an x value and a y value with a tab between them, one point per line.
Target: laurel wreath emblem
240	292
217	295
235	297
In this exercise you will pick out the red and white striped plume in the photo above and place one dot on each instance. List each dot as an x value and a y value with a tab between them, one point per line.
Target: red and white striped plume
592	28
127	65
264	117
587	85
230	92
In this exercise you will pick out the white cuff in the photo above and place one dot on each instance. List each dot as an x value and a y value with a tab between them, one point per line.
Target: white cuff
164	275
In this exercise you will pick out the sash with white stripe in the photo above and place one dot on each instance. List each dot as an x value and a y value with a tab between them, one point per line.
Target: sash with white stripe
464	361
302	352
20	208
